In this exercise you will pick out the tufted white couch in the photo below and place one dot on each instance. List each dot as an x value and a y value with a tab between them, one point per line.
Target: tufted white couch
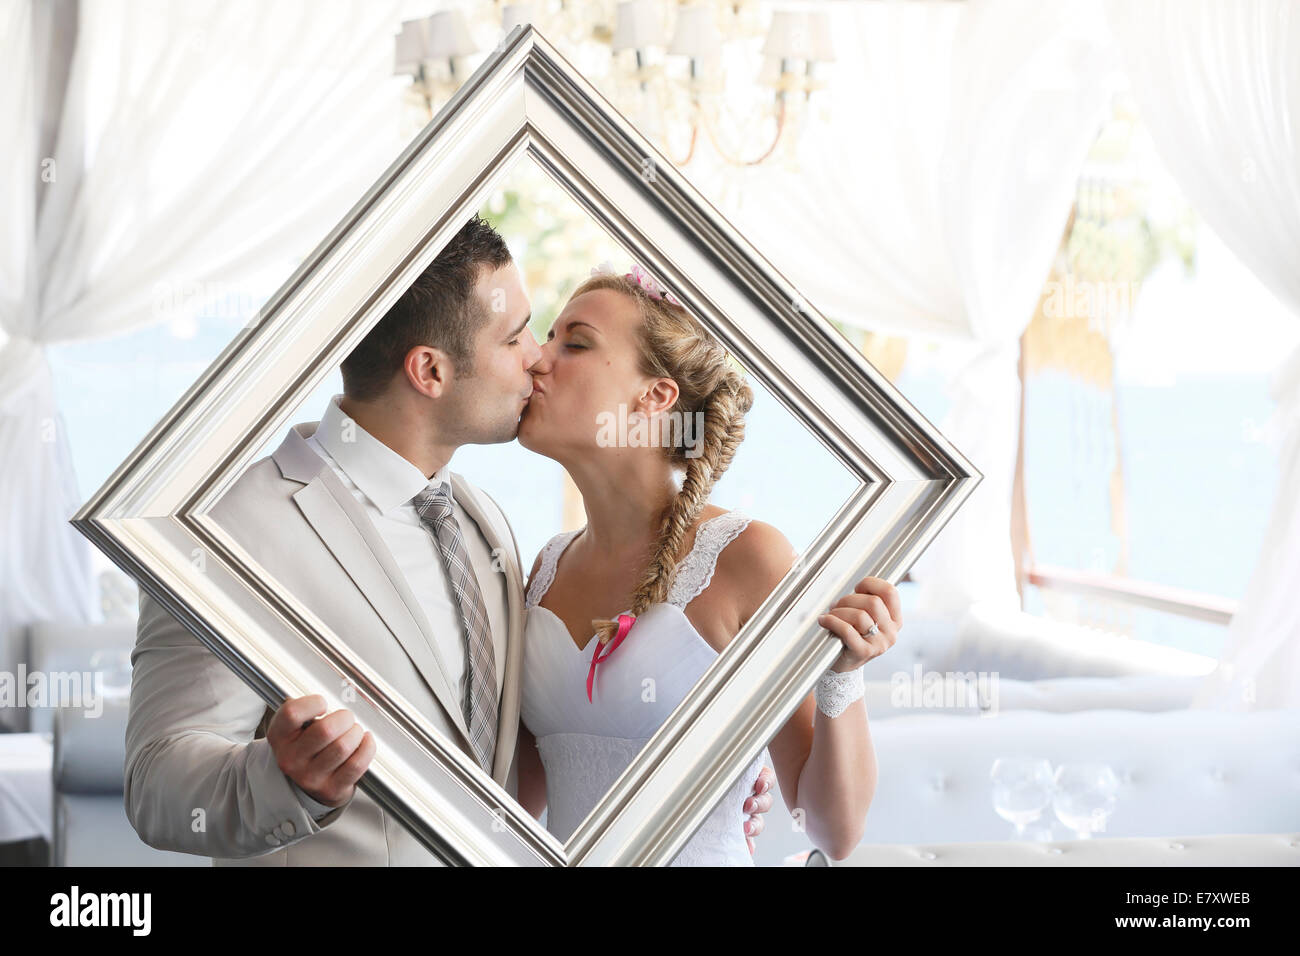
1249	849
1067	694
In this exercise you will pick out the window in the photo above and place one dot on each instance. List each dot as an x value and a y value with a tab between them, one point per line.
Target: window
1147	468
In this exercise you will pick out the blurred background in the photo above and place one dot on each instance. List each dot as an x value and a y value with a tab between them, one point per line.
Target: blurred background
1067	230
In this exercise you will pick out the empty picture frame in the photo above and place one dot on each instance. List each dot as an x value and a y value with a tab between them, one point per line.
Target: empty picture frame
527	104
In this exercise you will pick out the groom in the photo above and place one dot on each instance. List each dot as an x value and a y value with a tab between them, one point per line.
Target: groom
418	571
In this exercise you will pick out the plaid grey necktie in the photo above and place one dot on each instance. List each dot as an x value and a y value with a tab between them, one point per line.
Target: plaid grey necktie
479	689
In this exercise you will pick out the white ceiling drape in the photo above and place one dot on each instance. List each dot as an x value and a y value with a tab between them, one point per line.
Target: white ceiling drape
198	142
1218	85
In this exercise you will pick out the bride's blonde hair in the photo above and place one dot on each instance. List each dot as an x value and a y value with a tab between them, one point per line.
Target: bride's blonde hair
673	344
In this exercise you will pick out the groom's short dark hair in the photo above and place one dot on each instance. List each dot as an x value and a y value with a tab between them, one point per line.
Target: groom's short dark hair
440	310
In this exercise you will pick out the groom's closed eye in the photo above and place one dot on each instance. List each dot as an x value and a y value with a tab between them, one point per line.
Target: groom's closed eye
514	336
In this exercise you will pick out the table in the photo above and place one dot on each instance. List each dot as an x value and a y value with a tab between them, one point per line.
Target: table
26	787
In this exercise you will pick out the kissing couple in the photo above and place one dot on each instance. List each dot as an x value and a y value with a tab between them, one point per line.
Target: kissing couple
543	681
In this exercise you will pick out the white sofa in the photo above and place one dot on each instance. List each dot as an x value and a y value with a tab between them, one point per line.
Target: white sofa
1189	772
1248	849
90	823
1066	694
54	647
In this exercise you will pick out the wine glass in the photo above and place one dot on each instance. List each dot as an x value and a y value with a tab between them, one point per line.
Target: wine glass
1022	789
1085	797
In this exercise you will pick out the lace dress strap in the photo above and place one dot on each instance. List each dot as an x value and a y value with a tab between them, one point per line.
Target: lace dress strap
696	570
545	575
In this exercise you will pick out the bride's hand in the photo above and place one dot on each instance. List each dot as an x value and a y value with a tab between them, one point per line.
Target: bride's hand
758	804
873	601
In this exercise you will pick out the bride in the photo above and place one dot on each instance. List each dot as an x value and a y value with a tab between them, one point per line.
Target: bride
685	574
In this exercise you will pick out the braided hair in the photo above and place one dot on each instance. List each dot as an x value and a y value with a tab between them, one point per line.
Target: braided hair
673	344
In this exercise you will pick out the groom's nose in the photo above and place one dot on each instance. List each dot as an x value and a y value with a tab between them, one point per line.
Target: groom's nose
541	362
534	352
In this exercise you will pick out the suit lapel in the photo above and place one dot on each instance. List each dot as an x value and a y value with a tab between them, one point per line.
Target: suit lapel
352	539
356	545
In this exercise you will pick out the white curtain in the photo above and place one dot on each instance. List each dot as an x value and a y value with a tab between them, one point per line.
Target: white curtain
197	142
42	562
1218	85
934	205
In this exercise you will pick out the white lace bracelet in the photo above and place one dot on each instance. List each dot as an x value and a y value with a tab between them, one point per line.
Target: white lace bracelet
836	690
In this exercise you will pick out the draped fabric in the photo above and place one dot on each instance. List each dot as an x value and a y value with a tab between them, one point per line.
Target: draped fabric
196	142
198	139
933	205
1218	85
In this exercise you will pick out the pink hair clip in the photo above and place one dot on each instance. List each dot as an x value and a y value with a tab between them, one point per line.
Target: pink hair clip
648	282
642	278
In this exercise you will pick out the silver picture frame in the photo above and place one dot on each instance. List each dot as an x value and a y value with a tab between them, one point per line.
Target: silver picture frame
526	103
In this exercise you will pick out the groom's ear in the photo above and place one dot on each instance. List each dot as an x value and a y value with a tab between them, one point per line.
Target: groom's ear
428	370
659	396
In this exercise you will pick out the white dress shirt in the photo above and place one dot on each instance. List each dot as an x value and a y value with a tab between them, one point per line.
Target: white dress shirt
384	483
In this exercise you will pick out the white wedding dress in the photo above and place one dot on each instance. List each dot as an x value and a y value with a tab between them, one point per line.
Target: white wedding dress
585	745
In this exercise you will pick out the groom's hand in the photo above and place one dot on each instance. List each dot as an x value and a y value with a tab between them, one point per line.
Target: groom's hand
326	756
758	804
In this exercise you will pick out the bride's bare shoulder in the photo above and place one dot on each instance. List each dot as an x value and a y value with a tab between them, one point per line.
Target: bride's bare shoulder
752	565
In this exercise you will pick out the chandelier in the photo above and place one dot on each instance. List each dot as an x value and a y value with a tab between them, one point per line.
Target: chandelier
746	79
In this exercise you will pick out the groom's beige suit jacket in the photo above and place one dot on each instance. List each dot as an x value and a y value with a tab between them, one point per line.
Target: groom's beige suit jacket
195	741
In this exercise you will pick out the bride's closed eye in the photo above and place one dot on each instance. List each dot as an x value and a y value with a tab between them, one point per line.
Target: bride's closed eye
570	345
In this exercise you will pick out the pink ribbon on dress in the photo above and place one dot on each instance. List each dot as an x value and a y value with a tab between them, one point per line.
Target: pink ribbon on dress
624	625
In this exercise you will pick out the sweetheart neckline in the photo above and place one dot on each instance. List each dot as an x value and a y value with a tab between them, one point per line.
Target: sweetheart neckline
581	650
564	627
577	531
